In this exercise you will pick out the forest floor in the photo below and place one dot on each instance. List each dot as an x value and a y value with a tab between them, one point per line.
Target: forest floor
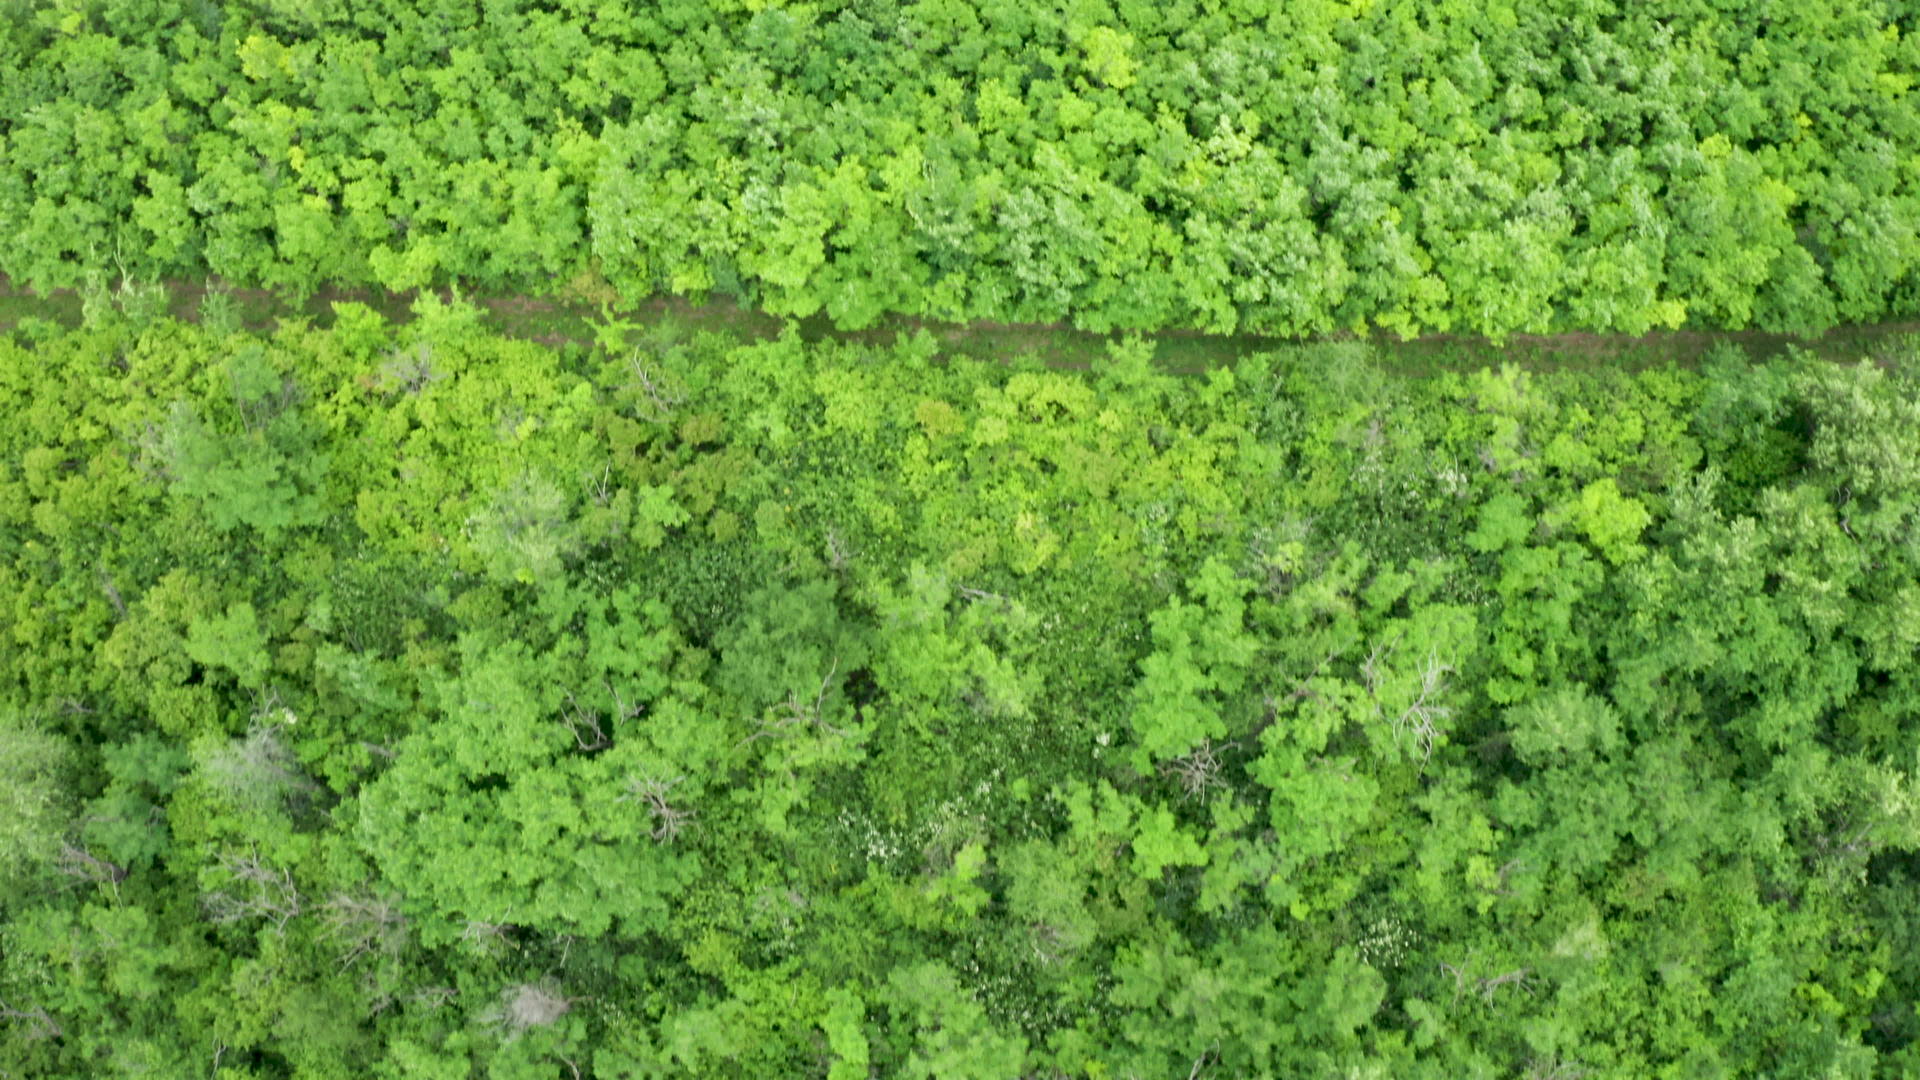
558	321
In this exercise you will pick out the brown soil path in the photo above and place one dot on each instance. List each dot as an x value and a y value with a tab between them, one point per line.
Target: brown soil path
560	320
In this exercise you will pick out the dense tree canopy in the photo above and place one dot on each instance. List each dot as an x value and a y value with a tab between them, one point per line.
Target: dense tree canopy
1286	166
408	701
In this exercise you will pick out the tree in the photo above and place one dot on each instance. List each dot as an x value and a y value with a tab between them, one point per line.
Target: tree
33	775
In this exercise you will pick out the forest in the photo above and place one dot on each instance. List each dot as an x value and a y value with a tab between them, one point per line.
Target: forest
1290	167
400	699
565	539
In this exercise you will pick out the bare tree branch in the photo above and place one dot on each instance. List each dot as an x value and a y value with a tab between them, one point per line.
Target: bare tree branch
361	925
41	1025
433	997
1197	772
660	400
268	893
1422	718
585	725
488	936
527	1006
1552	1068
800	715
80	863
668	819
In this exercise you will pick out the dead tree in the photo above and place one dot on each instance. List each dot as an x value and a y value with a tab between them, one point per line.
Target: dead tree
668	819
264	893
39	1024
361	925
588	734
800	715
527	1006
78	862
1197	772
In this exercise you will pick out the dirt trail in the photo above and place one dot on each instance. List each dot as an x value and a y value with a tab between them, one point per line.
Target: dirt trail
556	320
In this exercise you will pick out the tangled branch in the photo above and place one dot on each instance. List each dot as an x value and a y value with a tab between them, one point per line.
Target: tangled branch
40	1025
800	715
364	924
668	819
1422	718
660	400
1197	772
270	893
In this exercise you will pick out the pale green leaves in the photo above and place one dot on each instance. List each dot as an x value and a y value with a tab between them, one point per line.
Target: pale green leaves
1161	843
233	641
1612	522
239	480
1202	654
526	532
844	1025
266	475
532	791
952	1037
33	797
1568	722
1505	521
1109	56
533	527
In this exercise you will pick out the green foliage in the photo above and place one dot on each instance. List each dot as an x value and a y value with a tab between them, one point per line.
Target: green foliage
263	476
407	701
31	764
1523	168
232	641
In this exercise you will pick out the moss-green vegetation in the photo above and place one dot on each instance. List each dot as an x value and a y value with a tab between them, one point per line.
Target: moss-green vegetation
961	539
1293	168
402	699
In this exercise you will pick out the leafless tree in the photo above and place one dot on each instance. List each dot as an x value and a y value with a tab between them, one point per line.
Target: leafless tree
800	715
1552	1068
981	594
259	891
433	997
39	1024
837	553
481	930
1846	840
410	370
624	709
1046	943
77	862
1370	670
657	399
588	734
1422	718
1197	772
527	1006
360	925
668	819
1501	888
258	770
1516	978
600	488
1486	986
113	595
